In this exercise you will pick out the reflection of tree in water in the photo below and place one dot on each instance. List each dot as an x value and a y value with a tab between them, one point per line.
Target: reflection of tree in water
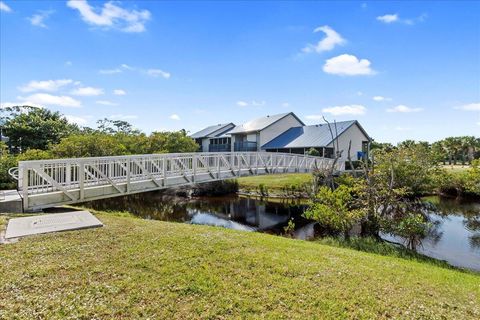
473	224
149	205
434	232
164	206
457	207
475	241
470	211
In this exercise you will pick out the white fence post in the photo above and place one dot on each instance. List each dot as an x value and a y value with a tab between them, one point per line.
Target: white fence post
24	176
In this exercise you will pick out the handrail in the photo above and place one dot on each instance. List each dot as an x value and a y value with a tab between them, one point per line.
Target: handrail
13	172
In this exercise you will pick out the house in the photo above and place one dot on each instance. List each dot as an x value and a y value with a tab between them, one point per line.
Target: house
214	138
303	138
285	132
252	135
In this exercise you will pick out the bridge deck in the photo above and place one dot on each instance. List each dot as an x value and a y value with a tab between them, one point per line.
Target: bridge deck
47	183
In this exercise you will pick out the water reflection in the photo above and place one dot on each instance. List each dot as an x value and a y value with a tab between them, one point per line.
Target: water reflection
455	236
247	213
455	232
212	220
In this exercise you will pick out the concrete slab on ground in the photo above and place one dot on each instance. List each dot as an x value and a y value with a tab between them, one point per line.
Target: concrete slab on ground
73	220
10	201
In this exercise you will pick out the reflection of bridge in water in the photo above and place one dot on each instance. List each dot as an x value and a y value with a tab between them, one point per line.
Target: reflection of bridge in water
48	183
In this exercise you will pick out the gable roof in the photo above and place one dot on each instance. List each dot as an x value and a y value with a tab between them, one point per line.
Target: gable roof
309	136
262	123
213	131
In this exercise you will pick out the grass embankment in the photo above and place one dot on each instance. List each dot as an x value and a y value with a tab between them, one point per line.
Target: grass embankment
134	268
276	183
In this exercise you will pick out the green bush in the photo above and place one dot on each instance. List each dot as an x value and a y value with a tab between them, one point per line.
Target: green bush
216	188
335	209
263	190
6	162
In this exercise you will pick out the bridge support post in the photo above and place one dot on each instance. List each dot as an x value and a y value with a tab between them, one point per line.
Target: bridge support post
24	184
164	171
128	175
194	167
81	179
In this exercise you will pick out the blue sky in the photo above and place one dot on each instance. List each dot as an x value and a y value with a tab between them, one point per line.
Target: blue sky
404	70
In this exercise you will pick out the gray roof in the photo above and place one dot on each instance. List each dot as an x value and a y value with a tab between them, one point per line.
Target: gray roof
261	123
213	131
308	136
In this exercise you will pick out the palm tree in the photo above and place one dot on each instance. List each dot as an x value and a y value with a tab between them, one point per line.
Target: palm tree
448	145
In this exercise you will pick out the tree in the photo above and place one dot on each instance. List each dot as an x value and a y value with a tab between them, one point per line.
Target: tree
88	145
335	209
115	126
34	128
410	168
169	142
413	228
313	152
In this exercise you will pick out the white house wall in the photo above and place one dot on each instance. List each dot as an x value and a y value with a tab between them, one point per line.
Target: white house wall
276	129
356	136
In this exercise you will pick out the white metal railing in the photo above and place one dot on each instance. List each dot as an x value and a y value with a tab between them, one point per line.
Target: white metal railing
65	175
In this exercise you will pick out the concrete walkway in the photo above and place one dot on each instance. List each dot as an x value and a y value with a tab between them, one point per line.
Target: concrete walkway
73	220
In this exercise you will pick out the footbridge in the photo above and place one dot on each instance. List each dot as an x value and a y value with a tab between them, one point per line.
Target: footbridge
48	183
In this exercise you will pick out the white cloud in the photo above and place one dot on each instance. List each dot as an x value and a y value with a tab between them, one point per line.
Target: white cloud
123	116
285	105
174	117
354	109
242	103
106	103
470	107
39	18
68	63
404	109
388	18
119	92
395	18
348	65
110	71
20	103
45	99
4	7
87	91
45	85
258	103
125	67
380	98
158	73
253	103
111	16
77	120
332	39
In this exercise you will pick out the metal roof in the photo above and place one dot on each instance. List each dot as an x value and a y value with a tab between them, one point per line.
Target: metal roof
261	123
212	131
308	136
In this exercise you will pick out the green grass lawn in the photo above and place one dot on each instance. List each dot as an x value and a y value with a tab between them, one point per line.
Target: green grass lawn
134	268
275	181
